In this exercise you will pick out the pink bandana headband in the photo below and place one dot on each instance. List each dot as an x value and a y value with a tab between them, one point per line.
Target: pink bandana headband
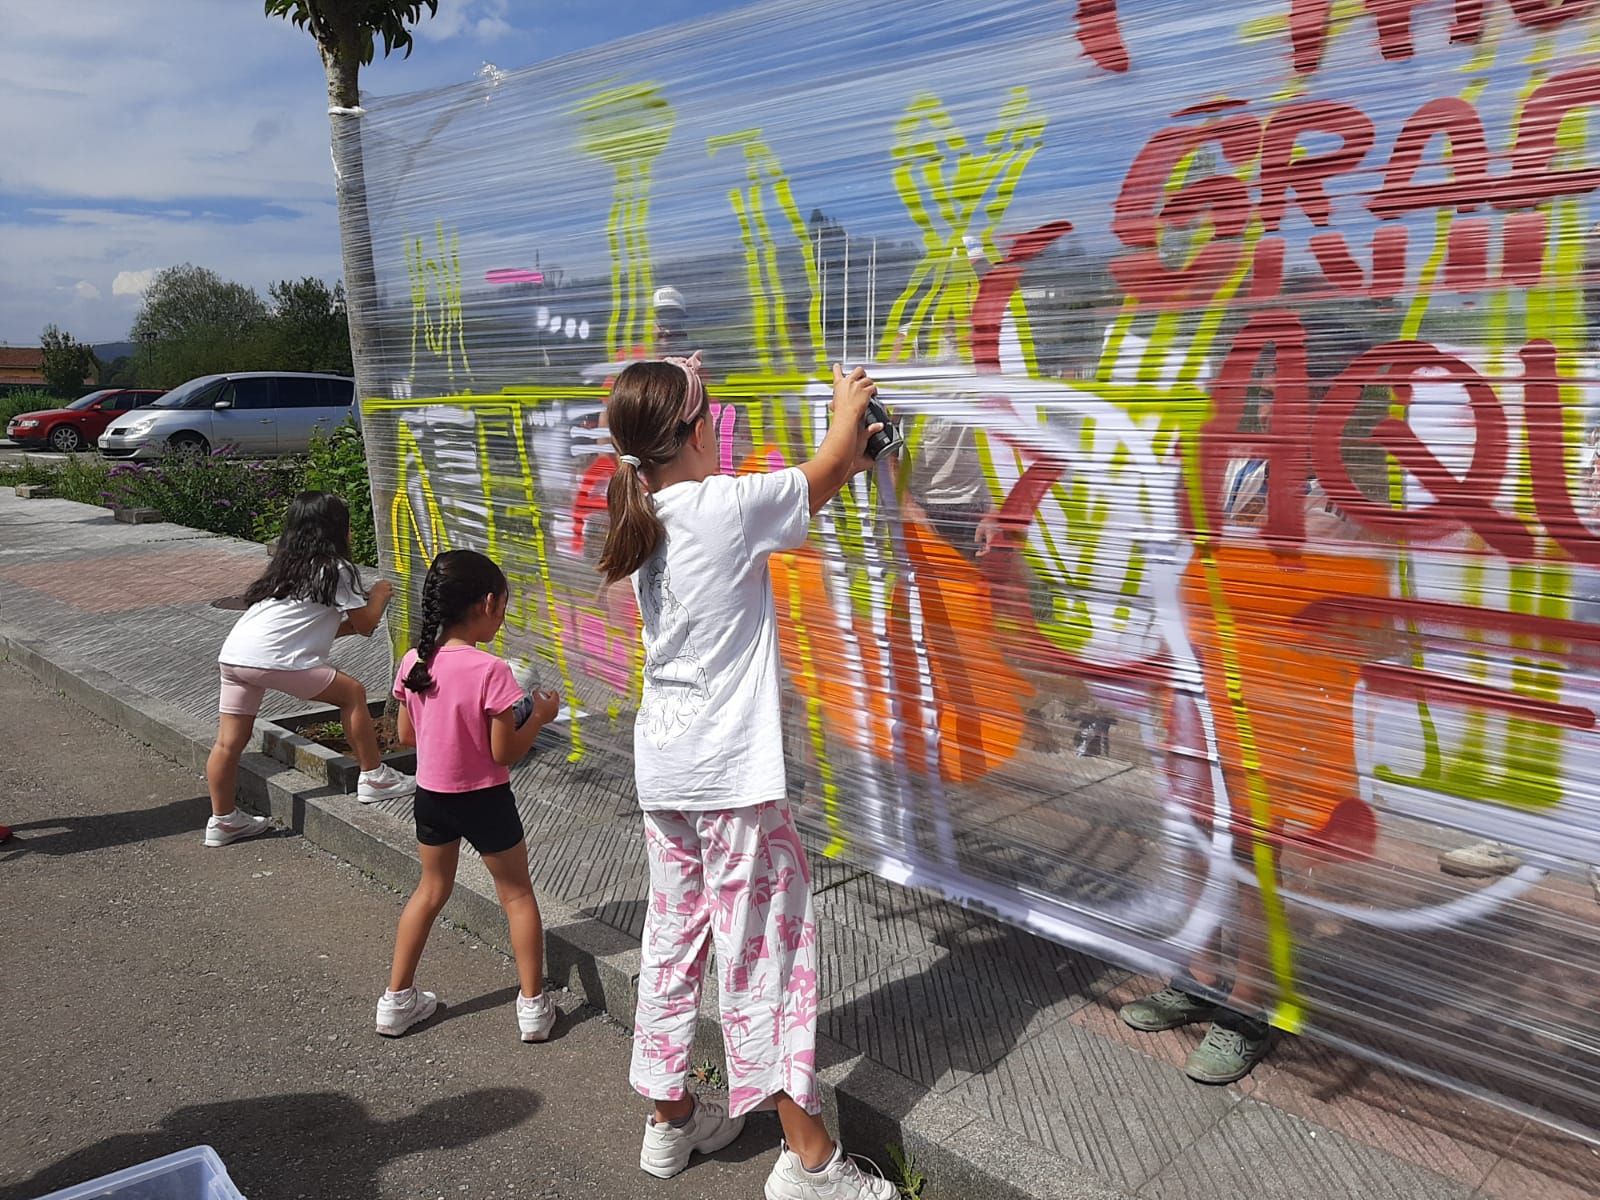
694	396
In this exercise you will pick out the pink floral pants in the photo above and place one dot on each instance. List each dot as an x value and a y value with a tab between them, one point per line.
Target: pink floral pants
737	876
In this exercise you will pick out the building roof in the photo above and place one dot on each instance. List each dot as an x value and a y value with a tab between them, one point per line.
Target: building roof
21	358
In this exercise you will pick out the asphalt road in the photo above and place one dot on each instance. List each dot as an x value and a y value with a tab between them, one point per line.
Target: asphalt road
158	995
10	452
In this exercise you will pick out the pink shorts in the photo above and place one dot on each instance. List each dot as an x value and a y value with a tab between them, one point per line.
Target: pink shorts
243	687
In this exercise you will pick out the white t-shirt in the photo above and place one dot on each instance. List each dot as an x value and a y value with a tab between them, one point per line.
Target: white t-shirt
291	635
709	733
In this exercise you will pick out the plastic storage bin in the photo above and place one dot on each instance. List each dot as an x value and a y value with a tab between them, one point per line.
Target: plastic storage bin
194	1174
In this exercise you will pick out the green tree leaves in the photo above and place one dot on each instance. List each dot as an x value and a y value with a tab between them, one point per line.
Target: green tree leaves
68	363
194	323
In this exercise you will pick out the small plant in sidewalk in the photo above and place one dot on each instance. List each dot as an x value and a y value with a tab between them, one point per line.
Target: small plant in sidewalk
331	734
707	1074
912	1180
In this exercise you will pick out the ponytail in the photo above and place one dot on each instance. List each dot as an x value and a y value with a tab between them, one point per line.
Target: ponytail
635	530
419	678
652	410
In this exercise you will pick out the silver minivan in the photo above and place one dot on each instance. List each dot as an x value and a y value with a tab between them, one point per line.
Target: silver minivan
256	414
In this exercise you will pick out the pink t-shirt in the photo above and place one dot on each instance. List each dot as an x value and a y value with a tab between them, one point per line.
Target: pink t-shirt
452	718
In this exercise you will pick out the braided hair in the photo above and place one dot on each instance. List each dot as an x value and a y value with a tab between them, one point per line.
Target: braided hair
457	581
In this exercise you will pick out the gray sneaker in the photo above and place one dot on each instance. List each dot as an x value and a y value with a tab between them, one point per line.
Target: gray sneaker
1166	1009
1481	860
1231	1047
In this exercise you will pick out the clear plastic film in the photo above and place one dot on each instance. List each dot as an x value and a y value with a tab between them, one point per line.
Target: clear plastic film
1243	556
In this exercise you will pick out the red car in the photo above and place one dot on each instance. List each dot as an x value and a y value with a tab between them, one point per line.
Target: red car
80	423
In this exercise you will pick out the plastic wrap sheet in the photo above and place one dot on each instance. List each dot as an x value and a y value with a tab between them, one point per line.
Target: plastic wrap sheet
1243	556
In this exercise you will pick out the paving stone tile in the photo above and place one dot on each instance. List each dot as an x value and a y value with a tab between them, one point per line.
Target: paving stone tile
1260	1152
1543	1164
907	919
927	1021
1096	1103
1045	974
605	860
1414	1120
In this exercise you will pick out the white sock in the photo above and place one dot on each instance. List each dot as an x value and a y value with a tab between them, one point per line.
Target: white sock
401	996
825	1164
231	817
528	1001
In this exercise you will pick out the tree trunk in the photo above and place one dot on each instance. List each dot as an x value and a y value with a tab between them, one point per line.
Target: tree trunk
343	67
342	63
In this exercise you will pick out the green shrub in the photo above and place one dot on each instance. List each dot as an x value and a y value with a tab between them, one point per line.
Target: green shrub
28	470
26	400
215	492
82	477
337	463
218	492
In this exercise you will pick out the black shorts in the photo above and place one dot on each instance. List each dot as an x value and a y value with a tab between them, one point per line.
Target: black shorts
487	818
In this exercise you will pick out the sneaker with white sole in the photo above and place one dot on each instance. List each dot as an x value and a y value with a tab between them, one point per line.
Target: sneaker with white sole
385	783
399	1011
233	827
536	1017
840	1178
667	1148
1481	860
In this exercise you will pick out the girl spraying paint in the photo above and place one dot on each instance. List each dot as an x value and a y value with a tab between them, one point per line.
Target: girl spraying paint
726	865
309	595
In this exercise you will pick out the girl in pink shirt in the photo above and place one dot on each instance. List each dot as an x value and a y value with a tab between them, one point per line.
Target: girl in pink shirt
469	720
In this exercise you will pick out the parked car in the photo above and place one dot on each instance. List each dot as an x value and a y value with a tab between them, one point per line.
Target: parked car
256	413
80	423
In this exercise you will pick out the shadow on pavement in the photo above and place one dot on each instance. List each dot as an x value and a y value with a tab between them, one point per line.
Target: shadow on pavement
300	1144
74	835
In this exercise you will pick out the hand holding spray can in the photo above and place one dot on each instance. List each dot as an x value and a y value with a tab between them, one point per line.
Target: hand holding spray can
887	440
527	678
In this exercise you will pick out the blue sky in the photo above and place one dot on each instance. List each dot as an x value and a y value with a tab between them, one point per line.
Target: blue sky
142	133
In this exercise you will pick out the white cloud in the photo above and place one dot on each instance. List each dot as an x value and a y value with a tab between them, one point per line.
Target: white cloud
485	20
222	162
132	283
85	290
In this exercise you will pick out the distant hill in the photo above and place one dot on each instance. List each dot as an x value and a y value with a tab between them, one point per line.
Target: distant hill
109	352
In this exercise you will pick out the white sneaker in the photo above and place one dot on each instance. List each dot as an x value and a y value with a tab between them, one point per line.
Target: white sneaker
841	1179
236	825
396	1015
666	1148
536	1017
1481	860
383	784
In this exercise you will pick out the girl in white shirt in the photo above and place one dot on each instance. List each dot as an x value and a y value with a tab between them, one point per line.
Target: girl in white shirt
309	595
726	865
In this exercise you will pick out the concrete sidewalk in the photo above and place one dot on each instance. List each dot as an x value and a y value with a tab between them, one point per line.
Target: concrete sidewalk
994	1056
